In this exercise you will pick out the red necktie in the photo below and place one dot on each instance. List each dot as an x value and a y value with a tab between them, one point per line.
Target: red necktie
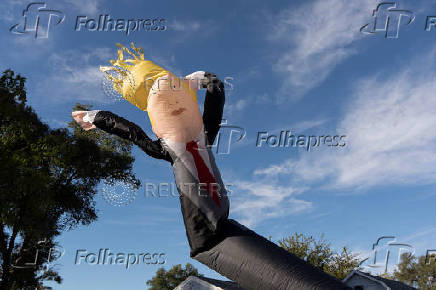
203	172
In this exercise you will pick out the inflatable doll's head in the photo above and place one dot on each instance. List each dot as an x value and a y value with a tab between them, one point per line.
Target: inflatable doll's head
171	103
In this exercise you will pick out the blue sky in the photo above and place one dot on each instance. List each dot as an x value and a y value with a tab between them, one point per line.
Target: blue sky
302	66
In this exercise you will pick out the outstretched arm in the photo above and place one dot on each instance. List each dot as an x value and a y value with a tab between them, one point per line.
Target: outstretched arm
123	128
213	105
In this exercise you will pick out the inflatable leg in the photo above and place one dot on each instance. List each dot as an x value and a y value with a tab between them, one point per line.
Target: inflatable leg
256	263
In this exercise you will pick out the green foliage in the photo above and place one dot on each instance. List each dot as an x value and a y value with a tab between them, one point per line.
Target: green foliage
111	143
320	254
412	269
386	275
168	280
48	180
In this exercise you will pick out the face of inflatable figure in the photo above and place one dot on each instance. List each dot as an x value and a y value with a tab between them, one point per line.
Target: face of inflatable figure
174	112
171	103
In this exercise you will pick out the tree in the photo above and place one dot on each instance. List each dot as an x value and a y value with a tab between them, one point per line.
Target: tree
48	180
168	280
320	254
421	270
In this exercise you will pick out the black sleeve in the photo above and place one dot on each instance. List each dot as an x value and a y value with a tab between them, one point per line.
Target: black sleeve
114	124
213	105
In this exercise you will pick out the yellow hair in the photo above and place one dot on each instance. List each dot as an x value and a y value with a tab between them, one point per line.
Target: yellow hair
133	77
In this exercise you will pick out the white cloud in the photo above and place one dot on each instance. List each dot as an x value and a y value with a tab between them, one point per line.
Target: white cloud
89	7
11	10
238	106
262	200
75	75
390	135
321	35
306	125
185	26
186	29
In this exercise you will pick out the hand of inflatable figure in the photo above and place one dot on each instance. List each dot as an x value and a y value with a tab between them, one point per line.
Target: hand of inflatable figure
84	119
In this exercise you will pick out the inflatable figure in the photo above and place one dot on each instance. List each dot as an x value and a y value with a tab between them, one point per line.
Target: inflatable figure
183	139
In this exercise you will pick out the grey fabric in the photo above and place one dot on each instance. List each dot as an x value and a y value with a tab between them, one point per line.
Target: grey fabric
201	214
256	263
189	185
